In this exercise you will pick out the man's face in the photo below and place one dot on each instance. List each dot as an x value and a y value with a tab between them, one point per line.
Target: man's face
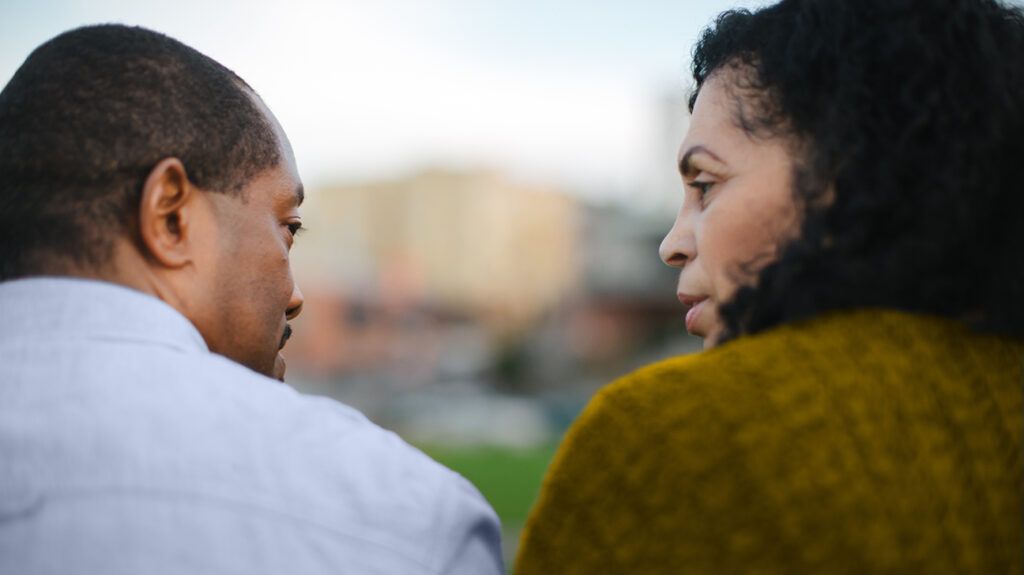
249	291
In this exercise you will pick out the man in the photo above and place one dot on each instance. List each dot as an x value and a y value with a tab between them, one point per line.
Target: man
148	203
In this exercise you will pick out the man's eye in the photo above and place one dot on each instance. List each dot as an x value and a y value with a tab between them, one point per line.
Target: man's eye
295	228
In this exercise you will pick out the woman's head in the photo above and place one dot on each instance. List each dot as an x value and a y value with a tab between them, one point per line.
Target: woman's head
897	125
737	207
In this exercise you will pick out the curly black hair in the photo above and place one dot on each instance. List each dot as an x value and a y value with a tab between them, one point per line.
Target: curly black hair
909	115
87	117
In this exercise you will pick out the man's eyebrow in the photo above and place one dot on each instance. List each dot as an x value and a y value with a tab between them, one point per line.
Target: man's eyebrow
686	164
300	195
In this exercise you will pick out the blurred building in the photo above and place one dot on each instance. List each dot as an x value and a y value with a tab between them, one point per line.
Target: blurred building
476	243
396	268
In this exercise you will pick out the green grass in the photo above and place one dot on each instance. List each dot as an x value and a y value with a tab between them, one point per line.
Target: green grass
509	478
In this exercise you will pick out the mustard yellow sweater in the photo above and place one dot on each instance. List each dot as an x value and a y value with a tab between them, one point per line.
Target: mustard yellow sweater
859	442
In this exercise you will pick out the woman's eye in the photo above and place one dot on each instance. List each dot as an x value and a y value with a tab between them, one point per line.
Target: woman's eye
702	187
295	228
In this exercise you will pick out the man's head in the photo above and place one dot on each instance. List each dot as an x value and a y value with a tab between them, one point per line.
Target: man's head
130	157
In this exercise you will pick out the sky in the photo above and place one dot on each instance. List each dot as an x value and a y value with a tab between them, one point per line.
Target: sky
583	95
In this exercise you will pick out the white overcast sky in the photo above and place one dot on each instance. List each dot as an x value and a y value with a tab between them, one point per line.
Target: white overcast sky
567	92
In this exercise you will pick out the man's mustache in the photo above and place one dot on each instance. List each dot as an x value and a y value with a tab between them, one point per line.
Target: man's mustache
287	334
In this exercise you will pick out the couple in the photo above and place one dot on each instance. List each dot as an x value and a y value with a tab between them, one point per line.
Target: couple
849	246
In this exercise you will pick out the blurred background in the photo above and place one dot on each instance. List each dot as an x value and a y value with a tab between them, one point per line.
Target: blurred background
487	184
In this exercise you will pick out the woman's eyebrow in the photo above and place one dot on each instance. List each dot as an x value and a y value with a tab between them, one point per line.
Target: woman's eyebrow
686	166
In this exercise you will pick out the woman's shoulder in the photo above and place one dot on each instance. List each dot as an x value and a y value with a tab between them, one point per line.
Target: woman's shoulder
866	364
848	431
838	345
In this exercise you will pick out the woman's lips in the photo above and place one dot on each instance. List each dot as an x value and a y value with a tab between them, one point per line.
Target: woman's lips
692	316
696	305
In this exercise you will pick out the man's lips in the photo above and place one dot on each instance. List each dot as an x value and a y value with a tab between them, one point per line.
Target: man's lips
696	305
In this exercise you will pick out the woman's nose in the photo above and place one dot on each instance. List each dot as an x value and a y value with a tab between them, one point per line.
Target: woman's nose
678	246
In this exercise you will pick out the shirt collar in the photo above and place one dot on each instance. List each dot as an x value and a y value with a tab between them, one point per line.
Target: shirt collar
59	307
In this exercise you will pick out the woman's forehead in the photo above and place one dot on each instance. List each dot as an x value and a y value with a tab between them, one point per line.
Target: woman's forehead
712	124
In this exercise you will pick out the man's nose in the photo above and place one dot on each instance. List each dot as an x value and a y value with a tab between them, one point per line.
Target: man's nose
294	304
679	245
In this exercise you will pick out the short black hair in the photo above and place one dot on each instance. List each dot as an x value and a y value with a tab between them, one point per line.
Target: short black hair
86	118
909	115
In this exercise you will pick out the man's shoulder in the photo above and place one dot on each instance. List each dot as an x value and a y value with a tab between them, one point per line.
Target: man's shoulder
198	422
306	431
324	462
147	425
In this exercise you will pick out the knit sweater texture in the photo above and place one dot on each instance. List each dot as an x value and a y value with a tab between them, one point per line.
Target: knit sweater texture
857	442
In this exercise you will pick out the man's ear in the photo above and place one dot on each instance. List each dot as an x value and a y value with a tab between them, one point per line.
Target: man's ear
166	213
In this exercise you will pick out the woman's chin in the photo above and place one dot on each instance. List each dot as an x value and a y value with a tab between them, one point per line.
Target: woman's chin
711	338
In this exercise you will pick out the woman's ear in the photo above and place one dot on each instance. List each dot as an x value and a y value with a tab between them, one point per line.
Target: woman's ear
166	214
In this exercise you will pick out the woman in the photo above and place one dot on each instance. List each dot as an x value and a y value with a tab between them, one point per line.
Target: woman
851	245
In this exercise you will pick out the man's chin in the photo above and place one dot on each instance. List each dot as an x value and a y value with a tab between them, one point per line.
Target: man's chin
279	368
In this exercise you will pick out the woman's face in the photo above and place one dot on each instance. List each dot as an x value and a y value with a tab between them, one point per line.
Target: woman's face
737	207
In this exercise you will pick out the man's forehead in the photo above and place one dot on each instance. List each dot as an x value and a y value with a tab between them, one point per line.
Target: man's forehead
287	191
287	166
286	182
276	188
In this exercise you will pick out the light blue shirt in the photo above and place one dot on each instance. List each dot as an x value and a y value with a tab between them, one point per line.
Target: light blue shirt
126	447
